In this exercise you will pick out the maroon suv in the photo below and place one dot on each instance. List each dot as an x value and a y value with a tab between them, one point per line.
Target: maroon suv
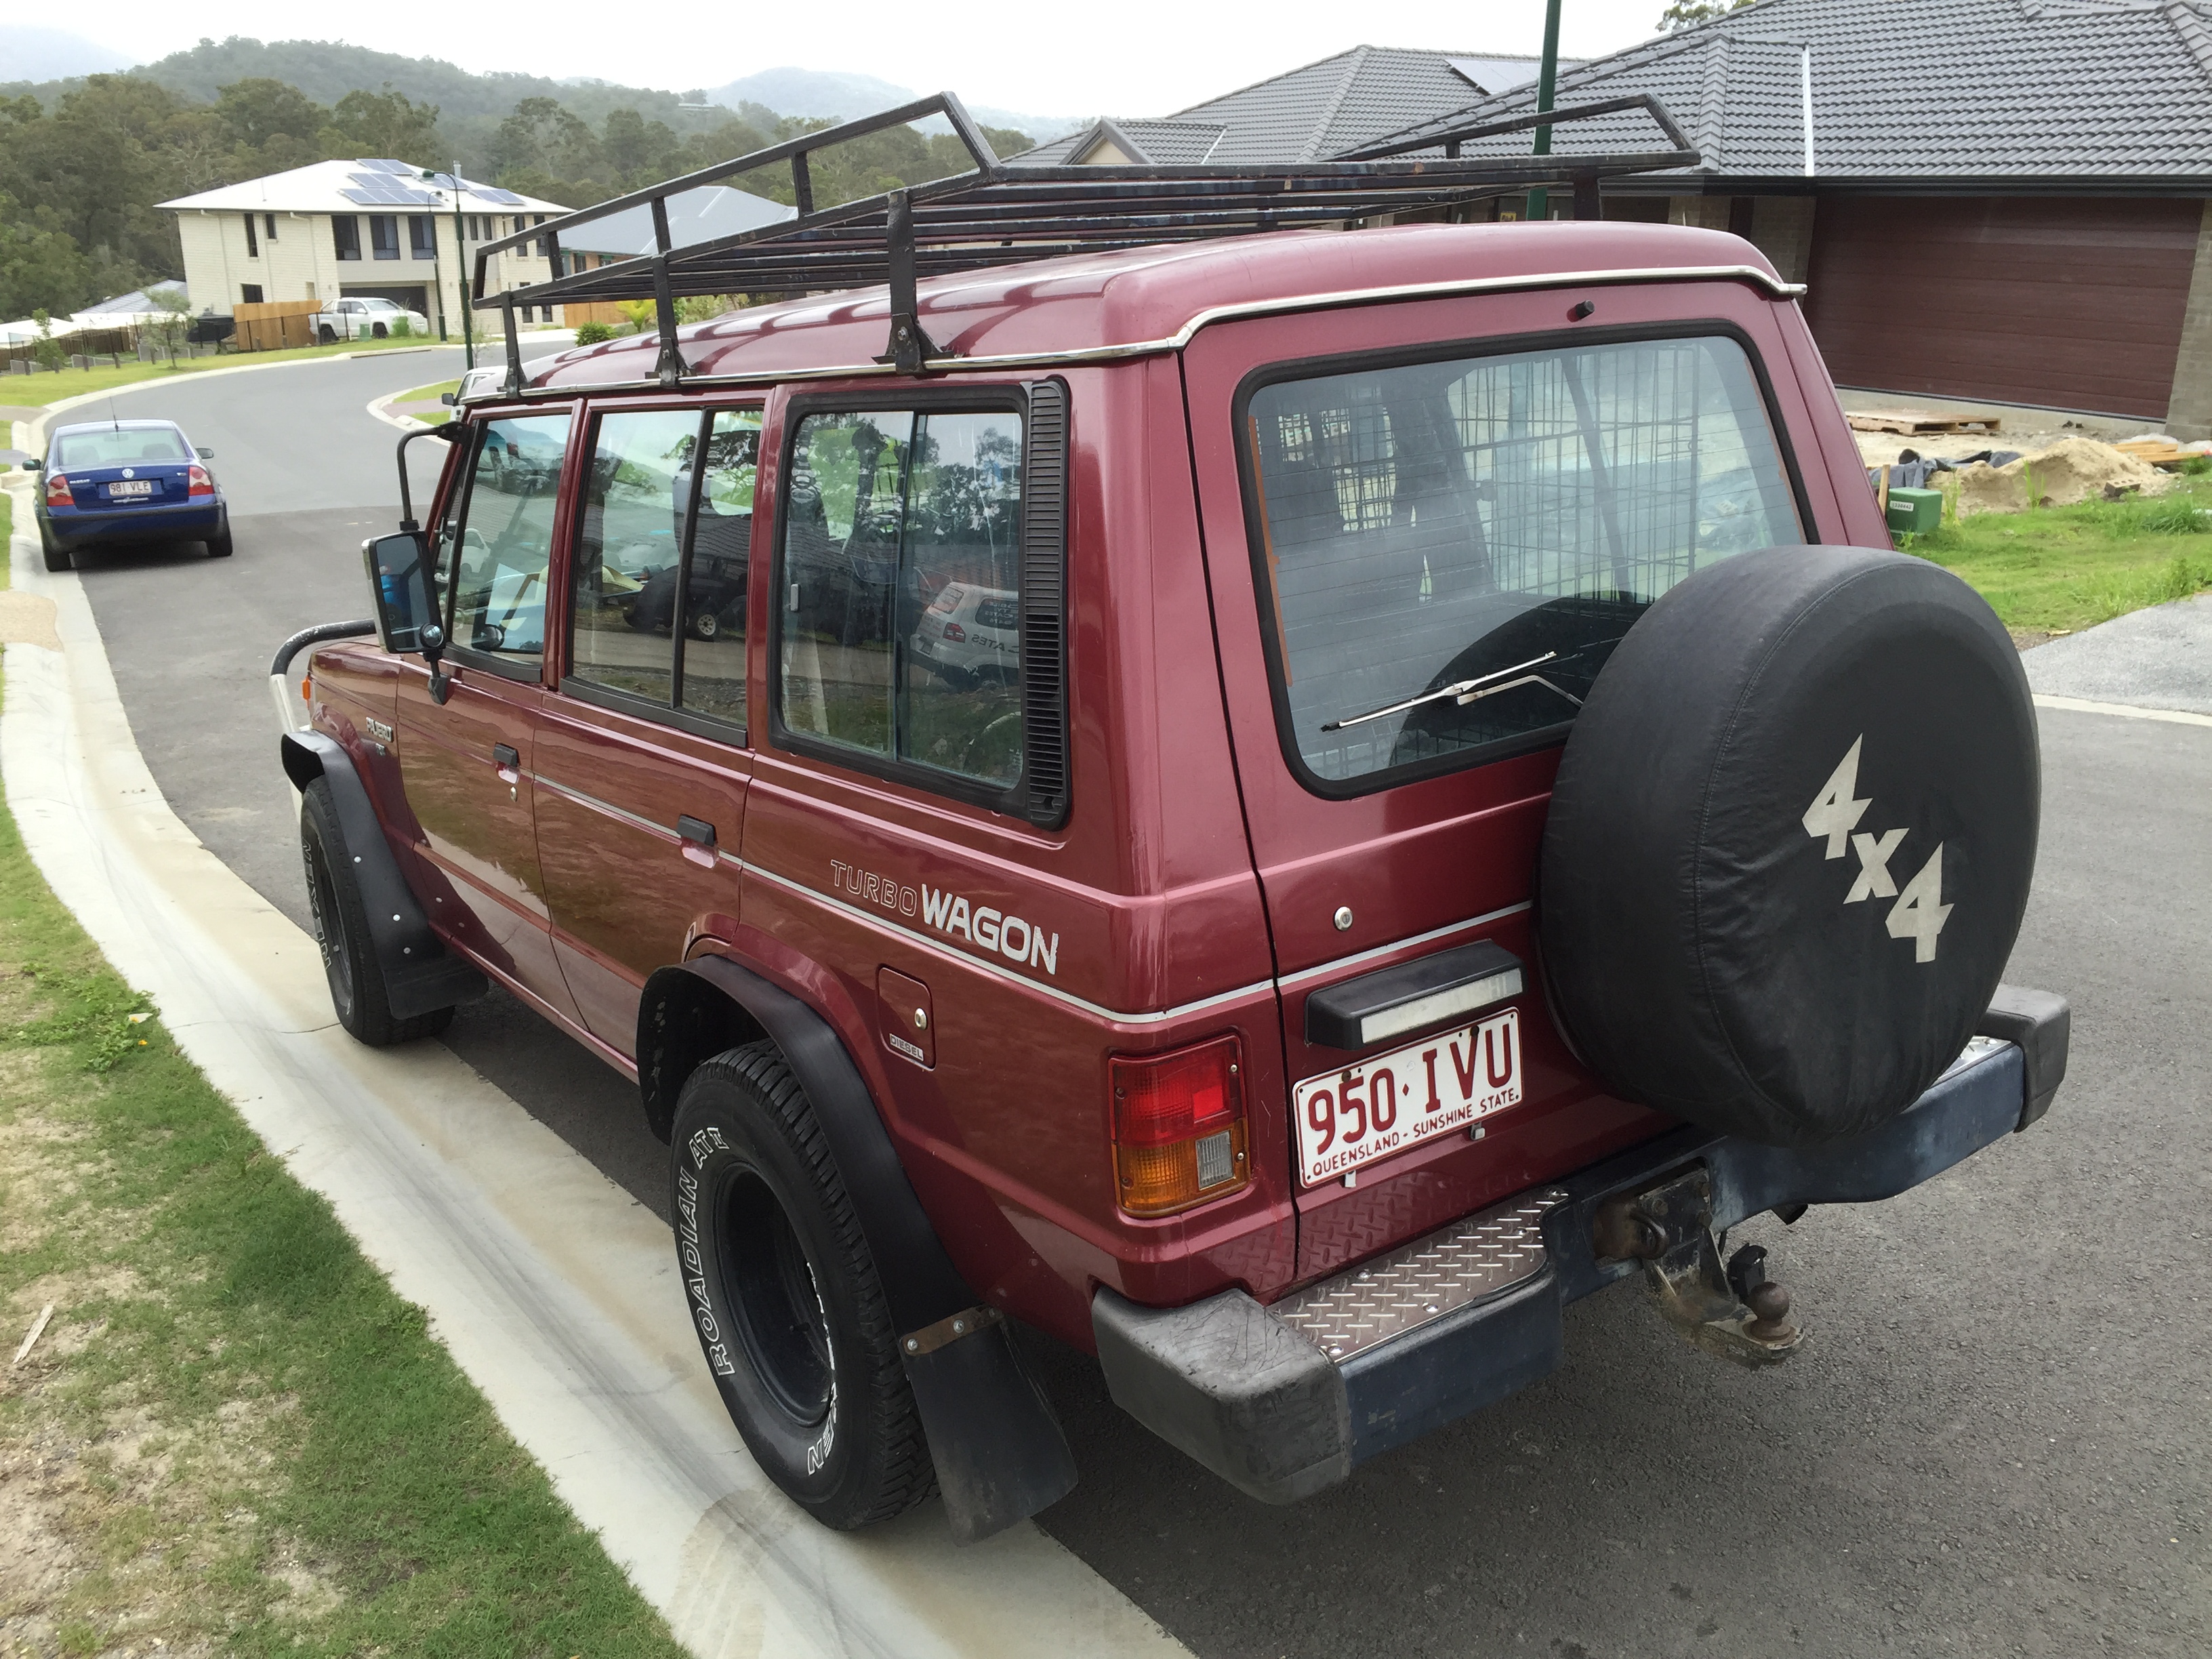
1276	809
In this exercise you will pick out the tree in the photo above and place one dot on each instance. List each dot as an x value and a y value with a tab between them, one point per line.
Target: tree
49	353
168	329
389	125
541	135
40	266
639	152
257	110
1688	14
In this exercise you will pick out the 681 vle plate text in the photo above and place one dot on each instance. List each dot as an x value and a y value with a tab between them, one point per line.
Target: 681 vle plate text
1349	1118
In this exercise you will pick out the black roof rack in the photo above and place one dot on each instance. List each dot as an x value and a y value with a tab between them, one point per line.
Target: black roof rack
1000	213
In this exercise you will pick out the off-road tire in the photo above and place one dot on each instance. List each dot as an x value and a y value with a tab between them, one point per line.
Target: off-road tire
785	1298
328	335
349	964
218	547
58	558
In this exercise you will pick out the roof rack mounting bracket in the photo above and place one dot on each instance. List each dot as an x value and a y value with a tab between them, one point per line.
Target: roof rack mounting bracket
670	368
512	387
909	349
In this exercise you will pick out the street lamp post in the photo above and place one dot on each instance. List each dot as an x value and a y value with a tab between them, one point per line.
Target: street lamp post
461	277
1547	75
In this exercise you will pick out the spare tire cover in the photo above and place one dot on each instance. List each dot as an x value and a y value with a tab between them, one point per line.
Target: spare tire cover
1791	842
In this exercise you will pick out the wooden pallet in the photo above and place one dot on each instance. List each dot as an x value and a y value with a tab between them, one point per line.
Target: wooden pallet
1912	424
2159	452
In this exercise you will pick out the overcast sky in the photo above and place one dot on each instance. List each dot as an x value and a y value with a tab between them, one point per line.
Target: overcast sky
1123	56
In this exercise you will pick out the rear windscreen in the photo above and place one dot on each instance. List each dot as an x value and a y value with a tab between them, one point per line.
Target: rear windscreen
117	448
1448	550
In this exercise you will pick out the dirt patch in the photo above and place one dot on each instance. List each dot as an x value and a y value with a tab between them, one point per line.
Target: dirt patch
2068	473
27	619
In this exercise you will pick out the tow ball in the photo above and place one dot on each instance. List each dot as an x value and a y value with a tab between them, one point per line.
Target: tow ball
1736	1312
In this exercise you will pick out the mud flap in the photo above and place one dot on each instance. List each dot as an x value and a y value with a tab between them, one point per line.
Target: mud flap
1000	1453
420	974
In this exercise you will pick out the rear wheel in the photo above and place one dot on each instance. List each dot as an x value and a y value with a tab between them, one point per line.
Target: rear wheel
341	930
785	1298
378	329
57	556
706	624
329	335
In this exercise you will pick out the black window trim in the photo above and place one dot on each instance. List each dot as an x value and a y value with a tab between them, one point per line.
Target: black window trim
1012	801
491	662
672	713
1434	351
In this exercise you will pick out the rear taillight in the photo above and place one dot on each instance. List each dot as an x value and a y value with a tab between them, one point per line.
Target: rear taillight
201	483
58	491
1179	1127
954	632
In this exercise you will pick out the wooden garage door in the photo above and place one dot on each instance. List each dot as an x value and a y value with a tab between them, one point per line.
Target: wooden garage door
2073	302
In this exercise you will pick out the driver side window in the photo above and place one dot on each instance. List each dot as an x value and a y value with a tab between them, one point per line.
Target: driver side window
505	546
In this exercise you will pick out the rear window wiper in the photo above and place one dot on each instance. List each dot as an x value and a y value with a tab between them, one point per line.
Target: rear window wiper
1465	691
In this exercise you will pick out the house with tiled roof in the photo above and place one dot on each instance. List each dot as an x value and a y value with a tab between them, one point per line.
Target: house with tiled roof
2000	200
1309	114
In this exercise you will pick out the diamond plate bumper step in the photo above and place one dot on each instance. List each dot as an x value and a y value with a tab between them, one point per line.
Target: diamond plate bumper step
1473	1260
1283	1401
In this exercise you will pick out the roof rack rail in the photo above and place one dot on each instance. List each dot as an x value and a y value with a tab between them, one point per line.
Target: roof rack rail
1000	213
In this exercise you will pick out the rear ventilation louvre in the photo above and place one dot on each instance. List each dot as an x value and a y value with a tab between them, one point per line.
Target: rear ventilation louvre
1044	606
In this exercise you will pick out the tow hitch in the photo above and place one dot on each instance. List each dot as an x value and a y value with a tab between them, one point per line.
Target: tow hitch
1736	1312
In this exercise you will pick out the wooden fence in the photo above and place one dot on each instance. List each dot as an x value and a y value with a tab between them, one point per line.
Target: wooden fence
274	324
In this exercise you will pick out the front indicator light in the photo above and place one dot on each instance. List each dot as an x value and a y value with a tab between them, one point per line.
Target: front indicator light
1179	1129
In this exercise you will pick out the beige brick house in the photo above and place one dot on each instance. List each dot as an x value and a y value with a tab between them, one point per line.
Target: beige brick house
374	229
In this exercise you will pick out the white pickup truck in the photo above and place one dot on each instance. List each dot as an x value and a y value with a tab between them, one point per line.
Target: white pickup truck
366	318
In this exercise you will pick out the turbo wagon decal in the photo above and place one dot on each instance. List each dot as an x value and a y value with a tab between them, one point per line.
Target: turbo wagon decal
1012	936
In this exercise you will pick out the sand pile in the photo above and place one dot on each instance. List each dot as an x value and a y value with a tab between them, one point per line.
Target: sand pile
2072	470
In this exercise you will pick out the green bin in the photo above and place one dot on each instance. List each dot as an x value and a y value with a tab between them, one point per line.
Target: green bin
1915	510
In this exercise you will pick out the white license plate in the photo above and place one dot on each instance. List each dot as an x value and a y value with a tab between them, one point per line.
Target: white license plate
133	487
1383	1105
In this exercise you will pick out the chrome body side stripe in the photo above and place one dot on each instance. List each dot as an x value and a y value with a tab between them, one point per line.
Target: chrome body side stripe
1307	976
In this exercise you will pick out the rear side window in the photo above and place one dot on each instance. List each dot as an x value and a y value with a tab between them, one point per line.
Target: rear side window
506	543
899	631
1447	551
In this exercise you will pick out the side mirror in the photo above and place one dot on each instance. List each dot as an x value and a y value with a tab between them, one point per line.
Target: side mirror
398	569
34	465
448	399
204	454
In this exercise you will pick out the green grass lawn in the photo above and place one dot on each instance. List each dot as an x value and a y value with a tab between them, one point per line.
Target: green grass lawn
2058	570
232	1435
423	394
75	382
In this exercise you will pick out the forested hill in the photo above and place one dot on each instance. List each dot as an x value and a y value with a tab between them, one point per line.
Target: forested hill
85	163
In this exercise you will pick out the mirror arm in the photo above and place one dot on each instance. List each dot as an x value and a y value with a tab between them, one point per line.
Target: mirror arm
406	496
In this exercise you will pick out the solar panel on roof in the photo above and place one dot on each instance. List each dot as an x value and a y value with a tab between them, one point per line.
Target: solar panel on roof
382	190
387	166
500	197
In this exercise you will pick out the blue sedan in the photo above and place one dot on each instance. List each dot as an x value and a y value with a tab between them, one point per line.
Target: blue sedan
124	483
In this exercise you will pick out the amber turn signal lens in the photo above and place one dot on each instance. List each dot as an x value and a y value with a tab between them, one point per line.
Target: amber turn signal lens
1179	1136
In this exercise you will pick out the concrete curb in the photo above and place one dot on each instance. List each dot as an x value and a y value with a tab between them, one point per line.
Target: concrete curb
555	1290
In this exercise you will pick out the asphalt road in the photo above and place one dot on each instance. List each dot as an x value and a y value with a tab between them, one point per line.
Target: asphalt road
1994	1443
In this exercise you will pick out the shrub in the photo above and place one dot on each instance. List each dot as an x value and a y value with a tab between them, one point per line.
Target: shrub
592	333
402	329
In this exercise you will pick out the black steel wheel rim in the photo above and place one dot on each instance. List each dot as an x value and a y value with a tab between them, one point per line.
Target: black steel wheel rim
776	1303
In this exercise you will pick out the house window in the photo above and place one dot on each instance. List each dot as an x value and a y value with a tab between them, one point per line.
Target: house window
345	235
252	247
249	294
422	236
269	226
384	234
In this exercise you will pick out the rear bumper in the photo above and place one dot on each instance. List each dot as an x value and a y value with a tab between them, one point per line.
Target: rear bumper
1286	1399
136	523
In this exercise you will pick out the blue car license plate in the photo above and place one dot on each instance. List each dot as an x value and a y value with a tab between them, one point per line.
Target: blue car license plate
131	486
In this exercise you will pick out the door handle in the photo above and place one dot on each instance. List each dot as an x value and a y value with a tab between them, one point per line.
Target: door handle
696	837
505	756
